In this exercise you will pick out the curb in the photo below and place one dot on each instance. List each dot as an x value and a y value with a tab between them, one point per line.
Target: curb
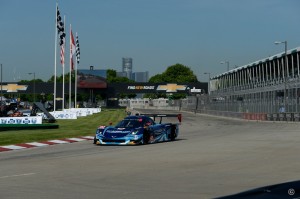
44	143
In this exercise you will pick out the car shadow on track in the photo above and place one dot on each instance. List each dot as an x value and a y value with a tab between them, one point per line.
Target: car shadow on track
177	140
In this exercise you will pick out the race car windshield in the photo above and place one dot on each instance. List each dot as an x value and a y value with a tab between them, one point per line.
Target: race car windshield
129	124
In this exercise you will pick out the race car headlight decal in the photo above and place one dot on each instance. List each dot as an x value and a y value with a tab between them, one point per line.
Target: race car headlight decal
99	131
134	132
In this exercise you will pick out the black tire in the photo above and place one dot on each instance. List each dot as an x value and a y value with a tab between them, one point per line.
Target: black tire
146	137
95	140
173	133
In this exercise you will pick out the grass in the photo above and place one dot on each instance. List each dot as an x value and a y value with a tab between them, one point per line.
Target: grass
83	126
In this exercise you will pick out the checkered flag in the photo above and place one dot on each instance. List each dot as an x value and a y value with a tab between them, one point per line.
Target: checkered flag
61	33
77	49
60	28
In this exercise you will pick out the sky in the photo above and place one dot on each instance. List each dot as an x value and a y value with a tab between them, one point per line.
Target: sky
156	34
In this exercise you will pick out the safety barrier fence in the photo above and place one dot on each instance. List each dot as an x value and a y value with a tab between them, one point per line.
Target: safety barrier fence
198	105
288	117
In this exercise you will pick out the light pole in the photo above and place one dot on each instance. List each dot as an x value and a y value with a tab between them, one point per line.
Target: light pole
285	73
1	86
225	62
208	86
33	85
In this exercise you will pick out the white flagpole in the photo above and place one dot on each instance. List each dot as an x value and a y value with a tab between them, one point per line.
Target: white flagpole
63	65
75	104
75	85
55	49
70	82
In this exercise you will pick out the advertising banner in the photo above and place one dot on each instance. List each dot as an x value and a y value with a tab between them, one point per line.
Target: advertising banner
63	115
21	120
84	111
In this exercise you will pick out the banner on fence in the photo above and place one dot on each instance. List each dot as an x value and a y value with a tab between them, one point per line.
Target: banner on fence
21	120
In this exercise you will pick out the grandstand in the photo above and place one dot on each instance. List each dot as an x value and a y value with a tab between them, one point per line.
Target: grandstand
268	85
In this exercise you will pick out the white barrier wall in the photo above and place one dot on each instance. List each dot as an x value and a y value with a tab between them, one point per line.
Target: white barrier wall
84	111
73	113
63	115
21	120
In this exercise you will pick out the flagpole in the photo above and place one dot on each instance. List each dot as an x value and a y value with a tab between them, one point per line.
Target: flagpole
55	50
63	65
76	66
70	81
75	85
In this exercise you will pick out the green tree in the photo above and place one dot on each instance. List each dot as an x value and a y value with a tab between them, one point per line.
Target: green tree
28	81
156	79
112	77
177	73
110	73
59	79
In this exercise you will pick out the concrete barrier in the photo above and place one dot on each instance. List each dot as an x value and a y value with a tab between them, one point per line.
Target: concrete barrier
289	116
269	116
296	117
275	117
263	116
282	116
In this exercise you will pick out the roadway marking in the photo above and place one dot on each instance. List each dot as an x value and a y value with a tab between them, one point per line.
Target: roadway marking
13	147
44	143
88	137
19	175
58	141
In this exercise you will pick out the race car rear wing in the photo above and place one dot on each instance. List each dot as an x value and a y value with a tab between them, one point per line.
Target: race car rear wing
179	116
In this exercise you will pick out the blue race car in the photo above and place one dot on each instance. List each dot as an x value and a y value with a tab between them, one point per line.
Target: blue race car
138	129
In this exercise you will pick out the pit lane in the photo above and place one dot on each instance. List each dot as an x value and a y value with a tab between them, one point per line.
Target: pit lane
212	157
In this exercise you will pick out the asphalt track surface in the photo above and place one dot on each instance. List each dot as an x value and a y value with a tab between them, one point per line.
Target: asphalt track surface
213	157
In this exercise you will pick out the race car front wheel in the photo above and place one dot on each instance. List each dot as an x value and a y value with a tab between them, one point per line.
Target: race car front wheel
146	138
95	140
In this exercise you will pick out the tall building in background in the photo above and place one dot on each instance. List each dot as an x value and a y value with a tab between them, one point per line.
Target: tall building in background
140	76
127	66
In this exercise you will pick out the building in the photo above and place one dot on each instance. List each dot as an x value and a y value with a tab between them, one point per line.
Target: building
140	76
121	74
127	66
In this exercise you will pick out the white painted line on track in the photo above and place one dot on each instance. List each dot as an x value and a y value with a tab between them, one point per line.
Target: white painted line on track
37	144
13	147
76	139
88	137
45	143
58	141
19	175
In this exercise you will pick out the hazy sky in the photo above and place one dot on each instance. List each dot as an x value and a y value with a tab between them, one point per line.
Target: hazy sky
155	33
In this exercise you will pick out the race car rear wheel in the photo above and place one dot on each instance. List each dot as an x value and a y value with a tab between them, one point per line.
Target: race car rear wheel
173	133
